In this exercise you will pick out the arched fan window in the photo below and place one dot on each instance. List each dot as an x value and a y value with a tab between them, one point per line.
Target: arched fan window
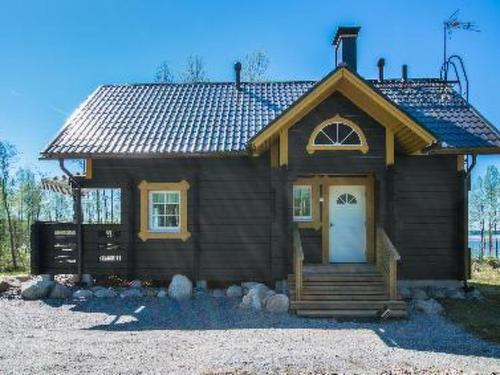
346	198
337	133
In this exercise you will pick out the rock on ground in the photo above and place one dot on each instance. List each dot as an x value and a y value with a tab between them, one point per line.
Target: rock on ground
105	293
218	293
7	283
418	293
132	293
36	289
180	288
162	293
87	280
60	292
234	291
455	294
436	292
277	303
430	306
83	294
255	297
404	293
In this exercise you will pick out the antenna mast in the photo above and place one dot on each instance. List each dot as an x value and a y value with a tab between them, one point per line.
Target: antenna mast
450	25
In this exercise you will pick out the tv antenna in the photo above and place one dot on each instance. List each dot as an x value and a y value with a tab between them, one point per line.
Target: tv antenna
455	62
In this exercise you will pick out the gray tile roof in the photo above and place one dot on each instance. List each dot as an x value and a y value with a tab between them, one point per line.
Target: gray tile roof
159	119
442	111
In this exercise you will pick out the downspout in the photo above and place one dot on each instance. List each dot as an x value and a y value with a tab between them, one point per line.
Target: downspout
77	200
467	188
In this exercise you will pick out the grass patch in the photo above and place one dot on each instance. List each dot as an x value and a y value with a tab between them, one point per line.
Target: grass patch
14	273
480	317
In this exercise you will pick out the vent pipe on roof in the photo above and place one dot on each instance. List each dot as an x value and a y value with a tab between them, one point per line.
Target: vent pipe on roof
381	65
237	71
345	46
404	73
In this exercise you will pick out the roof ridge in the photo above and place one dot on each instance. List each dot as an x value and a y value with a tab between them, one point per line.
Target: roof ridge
204	83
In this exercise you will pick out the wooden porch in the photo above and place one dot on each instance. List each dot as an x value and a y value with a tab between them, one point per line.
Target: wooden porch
348	290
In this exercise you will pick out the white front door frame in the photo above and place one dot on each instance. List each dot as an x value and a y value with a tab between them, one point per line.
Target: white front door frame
347	233
368	182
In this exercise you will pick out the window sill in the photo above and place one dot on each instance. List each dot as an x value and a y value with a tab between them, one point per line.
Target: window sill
149	235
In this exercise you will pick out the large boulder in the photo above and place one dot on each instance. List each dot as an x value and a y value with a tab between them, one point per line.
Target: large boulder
60	291
83	294
255	297
132	293
404	293
36	289
180	288
419	294
234	291
455	293
87	280
430	306
247	285
7	283
268	295
277	303
105	293
436	292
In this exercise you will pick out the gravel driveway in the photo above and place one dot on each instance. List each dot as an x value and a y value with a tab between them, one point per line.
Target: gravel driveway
208	335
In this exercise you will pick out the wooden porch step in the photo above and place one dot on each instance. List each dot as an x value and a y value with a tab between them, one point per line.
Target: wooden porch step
340	268
341	286
338	277
348	314
348	305
342	297
334	289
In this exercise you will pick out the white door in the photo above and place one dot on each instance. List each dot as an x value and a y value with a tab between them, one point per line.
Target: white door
347	224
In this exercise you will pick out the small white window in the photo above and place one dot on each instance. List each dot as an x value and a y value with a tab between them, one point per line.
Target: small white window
164	211
302	207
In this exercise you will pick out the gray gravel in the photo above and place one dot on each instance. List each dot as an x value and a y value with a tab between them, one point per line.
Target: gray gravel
212	335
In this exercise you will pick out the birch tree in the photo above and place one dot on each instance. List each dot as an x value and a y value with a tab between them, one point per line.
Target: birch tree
254	67
7	156
477	211
491	195
195	70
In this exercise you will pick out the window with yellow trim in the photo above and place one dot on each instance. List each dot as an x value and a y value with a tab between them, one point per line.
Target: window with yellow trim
163	210
337	133
302	203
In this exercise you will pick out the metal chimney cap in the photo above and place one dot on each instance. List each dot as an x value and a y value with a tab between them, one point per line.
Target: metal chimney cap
345	32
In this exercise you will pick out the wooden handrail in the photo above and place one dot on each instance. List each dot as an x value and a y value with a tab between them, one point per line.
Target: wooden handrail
298	262
387	261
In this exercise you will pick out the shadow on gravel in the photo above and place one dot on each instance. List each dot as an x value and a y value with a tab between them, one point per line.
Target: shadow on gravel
421	332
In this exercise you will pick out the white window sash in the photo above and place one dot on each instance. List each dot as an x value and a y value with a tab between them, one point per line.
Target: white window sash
151	216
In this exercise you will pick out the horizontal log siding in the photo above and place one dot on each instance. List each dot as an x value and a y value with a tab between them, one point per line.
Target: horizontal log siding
347	163
426	213
230	227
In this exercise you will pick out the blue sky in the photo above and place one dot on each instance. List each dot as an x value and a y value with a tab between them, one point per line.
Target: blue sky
54	53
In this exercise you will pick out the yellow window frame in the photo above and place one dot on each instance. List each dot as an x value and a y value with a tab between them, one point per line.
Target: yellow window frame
145	188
